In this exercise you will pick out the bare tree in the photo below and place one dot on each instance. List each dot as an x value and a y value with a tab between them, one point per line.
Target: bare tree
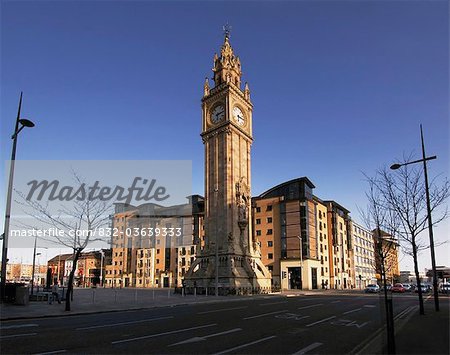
384	225
76	224
404	192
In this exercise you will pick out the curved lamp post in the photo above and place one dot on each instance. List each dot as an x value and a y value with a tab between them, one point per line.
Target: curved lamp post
21	123
430	223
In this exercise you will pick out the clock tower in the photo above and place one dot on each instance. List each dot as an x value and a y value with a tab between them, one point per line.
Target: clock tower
231	254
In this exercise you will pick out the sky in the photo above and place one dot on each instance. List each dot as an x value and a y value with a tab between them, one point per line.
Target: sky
339	87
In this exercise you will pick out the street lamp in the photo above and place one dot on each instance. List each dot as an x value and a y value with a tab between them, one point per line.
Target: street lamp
34	264
430	224
301	261
21	123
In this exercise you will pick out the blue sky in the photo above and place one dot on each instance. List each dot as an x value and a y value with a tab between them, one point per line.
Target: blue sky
338	87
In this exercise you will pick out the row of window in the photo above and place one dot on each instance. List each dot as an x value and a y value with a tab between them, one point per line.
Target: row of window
268	208
268	232
258	220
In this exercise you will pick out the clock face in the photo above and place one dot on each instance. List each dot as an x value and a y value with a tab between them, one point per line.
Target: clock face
238	116
218	114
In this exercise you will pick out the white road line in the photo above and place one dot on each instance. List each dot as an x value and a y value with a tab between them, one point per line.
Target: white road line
196	339
271	303
369	306
264	314
222	310
320	321
20	326
17	335
353	310
312	305
161	334
308	348
52	352
123	323
245	345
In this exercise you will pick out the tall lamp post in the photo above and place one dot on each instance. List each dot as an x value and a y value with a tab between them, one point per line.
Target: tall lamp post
430	223
301	261
34	265
21	123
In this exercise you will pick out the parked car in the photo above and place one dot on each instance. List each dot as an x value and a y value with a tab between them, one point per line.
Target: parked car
444	288
398	288
408	287
425	288
373	288
388	287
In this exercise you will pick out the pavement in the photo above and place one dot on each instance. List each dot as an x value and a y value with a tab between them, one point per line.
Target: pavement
415	333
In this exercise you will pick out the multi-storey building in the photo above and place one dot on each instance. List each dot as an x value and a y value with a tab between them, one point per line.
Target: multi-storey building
291	226
386	256
339	246
152	245
363	256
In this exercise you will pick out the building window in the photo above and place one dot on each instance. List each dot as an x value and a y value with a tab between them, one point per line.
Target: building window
258	233
269	219
258	221
258	209
270	243
269	208
269	232
270	256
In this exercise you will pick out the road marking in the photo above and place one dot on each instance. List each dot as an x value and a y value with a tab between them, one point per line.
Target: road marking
349	323
291	316
308	348
17	335
52	352
196	339
353	310
312	305
245	345
161	334
369	306
221	310
123	323
320	321
20	326
271	303
404	312
264	314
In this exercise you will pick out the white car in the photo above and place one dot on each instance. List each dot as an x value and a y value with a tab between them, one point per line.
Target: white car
444	288
372	288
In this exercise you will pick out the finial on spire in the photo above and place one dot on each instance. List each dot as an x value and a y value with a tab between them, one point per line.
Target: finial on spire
227	30
206	87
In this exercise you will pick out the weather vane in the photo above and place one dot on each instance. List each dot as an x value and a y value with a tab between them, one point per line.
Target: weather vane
227	30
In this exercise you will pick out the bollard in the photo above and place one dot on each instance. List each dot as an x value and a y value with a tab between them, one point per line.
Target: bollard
195	291
206	291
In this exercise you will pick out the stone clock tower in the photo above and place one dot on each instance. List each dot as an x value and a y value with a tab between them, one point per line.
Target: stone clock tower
231	256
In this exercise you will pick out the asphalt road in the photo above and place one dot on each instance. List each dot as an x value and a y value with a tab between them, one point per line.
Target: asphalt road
272	325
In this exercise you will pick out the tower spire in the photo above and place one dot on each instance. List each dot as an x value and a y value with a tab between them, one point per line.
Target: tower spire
227	67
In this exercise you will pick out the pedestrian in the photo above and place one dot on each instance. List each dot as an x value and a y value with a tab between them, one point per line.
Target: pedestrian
55	292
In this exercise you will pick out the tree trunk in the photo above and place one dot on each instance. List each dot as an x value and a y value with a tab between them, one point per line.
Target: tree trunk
416	271
71	277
